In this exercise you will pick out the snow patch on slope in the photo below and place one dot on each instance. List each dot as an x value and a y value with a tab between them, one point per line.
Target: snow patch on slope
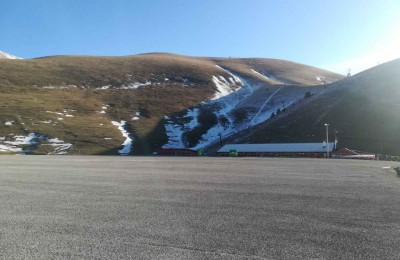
267	76
224	86
127	145
262	107
28	143
65	114
225	103
322	80
4	55
136	85
60	147
174	131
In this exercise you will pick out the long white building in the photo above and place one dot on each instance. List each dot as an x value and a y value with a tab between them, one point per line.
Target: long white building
315	150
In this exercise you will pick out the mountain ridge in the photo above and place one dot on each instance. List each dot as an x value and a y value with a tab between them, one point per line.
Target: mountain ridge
157	99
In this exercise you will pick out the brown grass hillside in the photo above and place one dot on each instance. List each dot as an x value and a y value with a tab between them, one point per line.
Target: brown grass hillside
286	71
30	88
89	71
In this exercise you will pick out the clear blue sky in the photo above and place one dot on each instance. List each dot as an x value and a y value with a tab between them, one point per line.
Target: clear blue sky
322	33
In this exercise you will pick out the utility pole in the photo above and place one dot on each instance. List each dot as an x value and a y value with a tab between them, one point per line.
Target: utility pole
327	141
336	139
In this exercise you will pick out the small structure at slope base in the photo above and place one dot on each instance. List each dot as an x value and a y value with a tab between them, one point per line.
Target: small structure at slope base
177	152
313	150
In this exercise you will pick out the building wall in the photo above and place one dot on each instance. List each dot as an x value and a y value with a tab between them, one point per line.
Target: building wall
177	152
269	154
358	156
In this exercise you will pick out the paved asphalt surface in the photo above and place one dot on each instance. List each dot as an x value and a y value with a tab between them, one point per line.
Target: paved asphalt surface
64	207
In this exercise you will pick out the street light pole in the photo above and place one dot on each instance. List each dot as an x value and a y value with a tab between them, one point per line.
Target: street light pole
327	141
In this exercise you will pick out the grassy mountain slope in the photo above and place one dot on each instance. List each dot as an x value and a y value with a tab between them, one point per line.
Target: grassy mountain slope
279	71
92	72
75	98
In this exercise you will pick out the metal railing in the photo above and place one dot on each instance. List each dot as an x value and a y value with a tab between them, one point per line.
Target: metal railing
382	157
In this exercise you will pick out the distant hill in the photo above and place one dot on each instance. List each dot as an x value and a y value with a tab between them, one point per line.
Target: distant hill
117	72
158	99
278	71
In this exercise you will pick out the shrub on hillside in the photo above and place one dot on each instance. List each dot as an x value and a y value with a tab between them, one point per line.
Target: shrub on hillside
206	120
223	121
308	94
242	114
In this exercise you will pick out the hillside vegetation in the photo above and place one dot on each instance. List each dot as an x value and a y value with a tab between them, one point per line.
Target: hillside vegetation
76	98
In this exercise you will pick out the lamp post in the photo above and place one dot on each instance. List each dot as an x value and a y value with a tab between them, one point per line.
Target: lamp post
327	141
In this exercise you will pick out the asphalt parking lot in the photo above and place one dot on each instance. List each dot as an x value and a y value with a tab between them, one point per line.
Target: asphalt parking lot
92	207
